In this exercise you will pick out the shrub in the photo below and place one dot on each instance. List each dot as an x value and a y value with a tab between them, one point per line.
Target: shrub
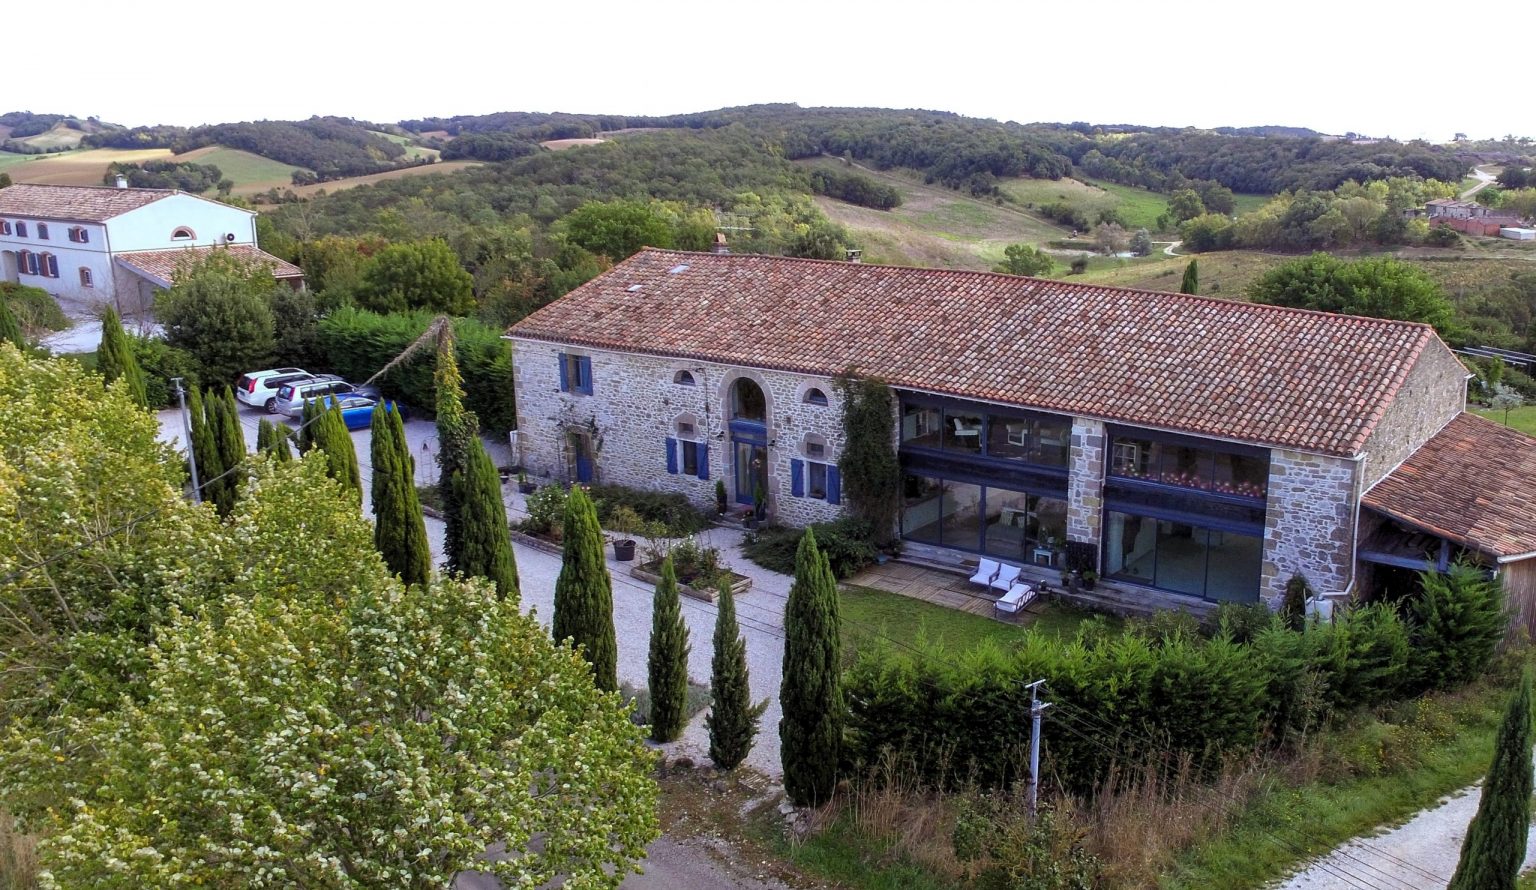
356	344
669	509
848	543
638	699
546	512
699	567
35	309
160	362
1080	265
1456	621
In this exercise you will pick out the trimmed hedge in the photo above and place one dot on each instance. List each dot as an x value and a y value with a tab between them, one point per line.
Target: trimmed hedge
355	343
1135	695
670	509
35	309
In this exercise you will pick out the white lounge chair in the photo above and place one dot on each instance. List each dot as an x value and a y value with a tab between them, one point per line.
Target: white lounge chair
985	573
1007	576
1016	599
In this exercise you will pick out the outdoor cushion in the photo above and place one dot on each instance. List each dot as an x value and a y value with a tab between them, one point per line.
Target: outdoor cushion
1017	597
1007	575
985	573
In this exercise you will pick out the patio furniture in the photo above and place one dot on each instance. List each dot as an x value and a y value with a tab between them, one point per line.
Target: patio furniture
1018	597
1043	556
985	572
1007	576
967	430
1014	514
1018	433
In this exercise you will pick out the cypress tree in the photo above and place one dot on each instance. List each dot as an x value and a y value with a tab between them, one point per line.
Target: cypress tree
457	428
1191	283
115	358
811	731
309	423
272	439
399	531
584	592
1495	844
10	328
332	437
485	546
205	449
732	719
231	441
667	666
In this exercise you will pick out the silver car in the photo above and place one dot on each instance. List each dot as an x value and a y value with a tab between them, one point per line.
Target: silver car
259	388
292	396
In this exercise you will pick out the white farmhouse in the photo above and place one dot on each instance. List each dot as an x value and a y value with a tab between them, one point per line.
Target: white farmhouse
117	245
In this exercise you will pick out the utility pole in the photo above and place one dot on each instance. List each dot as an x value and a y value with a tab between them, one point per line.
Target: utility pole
186	425
1036	708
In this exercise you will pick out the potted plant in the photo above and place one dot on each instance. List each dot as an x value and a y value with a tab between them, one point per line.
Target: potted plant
626	522
759	503
721	506
1090	578
749	518
523	485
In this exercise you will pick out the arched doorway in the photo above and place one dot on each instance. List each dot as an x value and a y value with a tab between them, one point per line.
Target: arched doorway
748	413
8	268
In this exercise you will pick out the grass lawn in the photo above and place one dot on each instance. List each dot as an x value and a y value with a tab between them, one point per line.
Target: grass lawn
1225	273
869	613
81	167
1248	203
11	159
1522	418
1138	207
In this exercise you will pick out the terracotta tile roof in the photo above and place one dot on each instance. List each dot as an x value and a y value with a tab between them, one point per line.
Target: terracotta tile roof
1471	484
160	265
1292	378
76	203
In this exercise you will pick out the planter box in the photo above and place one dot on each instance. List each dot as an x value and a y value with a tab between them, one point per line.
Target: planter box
537	543
739	583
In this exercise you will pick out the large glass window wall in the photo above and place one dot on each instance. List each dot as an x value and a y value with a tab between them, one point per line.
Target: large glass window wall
973	430
1186	466
1011	525
1183	558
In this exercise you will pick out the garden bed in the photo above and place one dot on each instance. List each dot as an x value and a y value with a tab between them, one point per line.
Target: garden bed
537	542
650	572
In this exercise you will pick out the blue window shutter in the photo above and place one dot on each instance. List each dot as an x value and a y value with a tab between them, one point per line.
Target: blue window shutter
565	381
704	461
672	456
834	485
586	374
797	477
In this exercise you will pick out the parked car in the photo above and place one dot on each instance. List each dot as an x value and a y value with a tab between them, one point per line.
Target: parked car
259	388
292	396
357	409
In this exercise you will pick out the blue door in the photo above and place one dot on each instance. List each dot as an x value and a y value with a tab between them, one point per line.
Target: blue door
581	457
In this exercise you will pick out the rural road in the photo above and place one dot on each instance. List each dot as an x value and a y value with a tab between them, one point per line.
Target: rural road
1418	855
1484	179
1172	248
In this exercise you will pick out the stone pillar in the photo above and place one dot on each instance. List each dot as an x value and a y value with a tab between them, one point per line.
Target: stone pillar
1085	485
1309	525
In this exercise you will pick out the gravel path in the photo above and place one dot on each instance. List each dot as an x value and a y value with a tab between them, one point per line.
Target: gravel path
1418	855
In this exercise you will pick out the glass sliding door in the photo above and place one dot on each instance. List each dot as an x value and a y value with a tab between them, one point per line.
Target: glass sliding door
1182	557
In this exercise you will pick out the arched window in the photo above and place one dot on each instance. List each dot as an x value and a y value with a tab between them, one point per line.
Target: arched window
814	396
183	233
5	227
49	266
26	262
42	231
683	378
21	230
85	278
748	401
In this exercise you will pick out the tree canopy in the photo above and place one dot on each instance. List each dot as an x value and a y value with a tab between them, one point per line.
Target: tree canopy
217	310
1379	288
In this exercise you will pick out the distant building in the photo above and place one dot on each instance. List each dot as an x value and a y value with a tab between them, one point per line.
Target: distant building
1469	217
1517	233
118	245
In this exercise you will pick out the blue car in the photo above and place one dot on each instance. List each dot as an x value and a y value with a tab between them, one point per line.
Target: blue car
357	410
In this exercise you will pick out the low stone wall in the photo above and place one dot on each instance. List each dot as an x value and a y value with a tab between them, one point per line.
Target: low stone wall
739	585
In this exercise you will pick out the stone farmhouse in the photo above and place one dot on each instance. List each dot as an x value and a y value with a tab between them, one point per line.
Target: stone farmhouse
1192	450
100	245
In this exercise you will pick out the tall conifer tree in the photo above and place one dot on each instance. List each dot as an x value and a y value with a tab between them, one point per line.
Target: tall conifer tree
584	592
485	546
115	357
231	442
811	730
732	719
1191	282
333	438
309	422
1495	845
667	665
205	450
272	439
399	531
457	428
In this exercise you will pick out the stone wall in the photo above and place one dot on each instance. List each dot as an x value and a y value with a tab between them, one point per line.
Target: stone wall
1434	392
1309	526
636	406
1085	485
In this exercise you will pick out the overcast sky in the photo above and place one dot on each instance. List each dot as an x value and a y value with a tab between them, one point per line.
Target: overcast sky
1380	68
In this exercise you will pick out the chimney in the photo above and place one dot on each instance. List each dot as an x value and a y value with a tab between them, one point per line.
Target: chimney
720	245
122	181
854	255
